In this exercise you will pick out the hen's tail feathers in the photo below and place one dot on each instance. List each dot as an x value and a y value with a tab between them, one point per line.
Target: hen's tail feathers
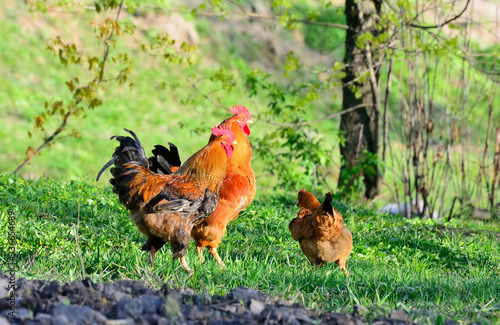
165	161
327	204
128	153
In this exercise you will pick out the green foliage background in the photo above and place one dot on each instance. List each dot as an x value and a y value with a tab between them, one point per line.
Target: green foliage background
281	78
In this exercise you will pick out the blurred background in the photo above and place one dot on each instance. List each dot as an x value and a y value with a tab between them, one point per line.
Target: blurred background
74	73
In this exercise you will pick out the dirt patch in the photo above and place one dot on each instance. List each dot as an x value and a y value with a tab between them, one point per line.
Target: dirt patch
132	302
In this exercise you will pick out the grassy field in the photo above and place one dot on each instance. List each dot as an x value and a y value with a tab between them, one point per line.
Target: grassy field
68	230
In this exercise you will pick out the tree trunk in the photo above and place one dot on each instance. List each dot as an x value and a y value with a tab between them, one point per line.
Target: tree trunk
360	127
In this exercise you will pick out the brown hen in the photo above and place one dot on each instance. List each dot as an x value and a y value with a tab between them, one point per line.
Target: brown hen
320	232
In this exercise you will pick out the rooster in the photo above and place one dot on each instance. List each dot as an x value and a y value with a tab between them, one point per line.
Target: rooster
320	230
165	207
237	190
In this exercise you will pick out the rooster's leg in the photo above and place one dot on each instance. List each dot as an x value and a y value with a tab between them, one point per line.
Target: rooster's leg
199	249
185	264
152	253
216	256
152	245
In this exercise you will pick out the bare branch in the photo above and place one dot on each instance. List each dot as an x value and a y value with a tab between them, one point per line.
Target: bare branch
444	23
106	51
336	114
193	84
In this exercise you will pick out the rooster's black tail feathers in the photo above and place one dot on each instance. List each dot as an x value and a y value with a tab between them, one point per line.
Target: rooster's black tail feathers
164	159
129	151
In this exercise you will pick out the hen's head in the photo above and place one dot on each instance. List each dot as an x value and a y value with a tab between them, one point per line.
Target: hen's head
227	139
243	118
307	200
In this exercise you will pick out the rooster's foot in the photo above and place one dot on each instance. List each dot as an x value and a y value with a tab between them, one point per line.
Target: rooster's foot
185	264
217	257
199	249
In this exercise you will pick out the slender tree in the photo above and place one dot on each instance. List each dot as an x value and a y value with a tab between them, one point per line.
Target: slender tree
360	89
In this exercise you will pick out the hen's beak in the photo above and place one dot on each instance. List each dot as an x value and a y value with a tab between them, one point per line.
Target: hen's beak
234	142
249	121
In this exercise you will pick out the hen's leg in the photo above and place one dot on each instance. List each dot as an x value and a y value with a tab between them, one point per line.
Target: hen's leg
342	263
185	264
199	249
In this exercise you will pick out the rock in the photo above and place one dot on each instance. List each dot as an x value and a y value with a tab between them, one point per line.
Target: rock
4	284
98	287
303	316
197	313
401	315
359	310
163	321
87	282
118	295
135	307
163	290
119	322
336	318
222	322
78	314
256	306
448	321
245	294
49	289
22	314
61	320
44	319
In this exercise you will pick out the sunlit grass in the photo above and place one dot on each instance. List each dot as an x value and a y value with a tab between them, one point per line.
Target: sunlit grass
428	269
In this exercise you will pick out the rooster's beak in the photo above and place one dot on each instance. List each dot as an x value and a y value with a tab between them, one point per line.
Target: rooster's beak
249	121
234	142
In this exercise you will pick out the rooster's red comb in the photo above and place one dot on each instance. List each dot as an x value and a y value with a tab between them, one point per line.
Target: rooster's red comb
223	130
240	109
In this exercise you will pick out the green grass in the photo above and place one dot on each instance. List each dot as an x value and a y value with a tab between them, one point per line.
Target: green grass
431	270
